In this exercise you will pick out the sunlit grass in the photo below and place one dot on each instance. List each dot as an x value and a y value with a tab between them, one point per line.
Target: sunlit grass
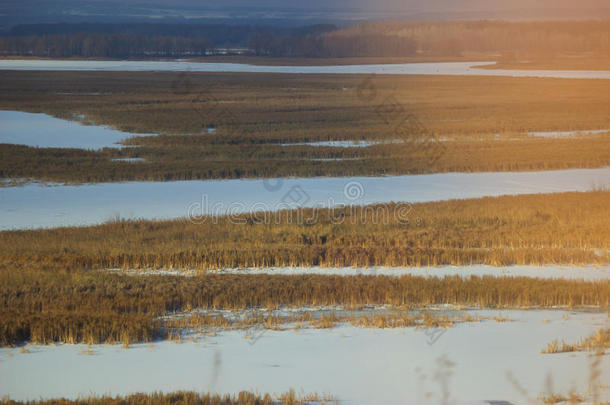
188	397
45	305
568	228
597	341
482	123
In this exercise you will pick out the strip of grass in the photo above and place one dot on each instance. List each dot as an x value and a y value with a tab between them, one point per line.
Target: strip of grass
45	304
209	323
308	107
565	228
183	161
185	397
52	289
457	118
596	342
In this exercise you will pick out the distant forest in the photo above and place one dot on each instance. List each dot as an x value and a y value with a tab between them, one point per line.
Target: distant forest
138	40
400	39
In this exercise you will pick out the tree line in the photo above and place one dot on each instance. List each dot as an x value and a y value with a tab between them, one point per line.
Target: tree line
104	45
220	34
442	39
380	39
137	40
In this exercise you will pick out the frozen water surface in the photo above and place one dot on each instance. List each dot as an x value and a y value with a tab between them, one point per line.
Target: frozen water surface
432	68
569	134
36	205
588	273
335	144
359	366
130	160
44	131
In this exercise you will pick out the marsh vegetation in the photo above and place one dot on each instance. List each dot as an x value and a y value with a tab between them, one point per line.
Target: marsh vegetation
55	287
258	356
567	228
458	124
206	321
48	304
116	282
599	341
187	397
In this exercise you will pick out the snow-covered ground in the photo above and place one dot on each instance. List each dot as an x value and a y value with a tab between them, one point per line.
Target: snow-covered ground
292	316
130	160
335	144
588	273
38	206
470	362
429	68
568	134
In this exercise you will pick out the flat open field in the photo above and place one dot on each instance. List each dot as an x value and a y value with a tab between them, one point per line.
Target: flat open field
568	228
63	272
44	305
518	280
371	213
221	125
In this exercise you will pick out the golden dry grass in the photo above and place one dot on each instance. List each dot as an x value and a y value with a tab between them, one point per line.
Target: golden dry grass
45	305
597	341
253	113
209	323
186	397
53	289
568	228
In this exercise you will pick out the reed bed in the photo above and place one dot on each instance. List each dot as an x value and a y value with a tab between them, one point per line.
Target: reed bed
202	163
474	124
55	287
394	319
568	228
187	398
47	305
571	398
276	108
402	320
597	341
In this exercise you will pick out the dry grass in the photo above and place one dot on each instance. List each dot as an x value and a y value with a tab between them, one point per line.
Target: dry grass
47	304
571	398
284	107
253	113
598	341
404	320
556	347
186	397
569	228
211	323
52	289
